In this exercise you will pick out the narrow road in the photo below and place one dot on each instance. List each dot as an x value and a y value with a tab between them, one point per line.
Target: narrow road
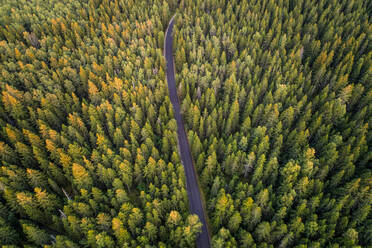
192	187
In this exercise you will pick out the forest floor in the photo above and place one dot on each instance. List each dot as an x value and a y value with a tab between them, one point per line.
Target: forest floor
193	191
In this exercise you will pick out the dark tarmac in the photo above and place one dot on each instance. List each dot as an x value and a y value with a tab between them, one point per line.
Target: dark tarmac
196	207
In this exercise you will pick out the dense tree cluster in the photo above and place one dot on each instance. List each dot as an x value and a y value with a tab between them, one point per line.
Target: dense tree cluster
88	148
276	96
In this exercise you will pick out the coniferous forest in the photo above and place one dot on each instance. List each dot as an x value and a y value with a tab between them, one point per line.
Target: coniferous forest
275	97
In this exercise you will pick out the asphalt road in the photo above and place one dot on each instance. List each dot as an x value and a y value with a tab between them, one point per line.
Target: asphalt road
192	188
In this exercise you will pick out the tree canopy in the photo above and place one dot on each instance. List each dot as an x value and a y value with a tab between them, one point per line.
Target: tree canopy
276	101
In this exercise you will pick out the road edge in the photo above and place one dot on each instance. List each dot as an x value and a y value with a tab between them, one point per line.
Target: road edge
202	198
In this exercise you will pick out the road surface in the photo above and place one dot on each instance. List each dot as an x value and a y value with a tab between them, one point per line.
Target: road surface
192	187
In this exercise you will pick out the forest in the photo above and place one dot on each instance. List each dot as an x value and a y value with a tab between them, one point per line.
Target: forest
275	97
